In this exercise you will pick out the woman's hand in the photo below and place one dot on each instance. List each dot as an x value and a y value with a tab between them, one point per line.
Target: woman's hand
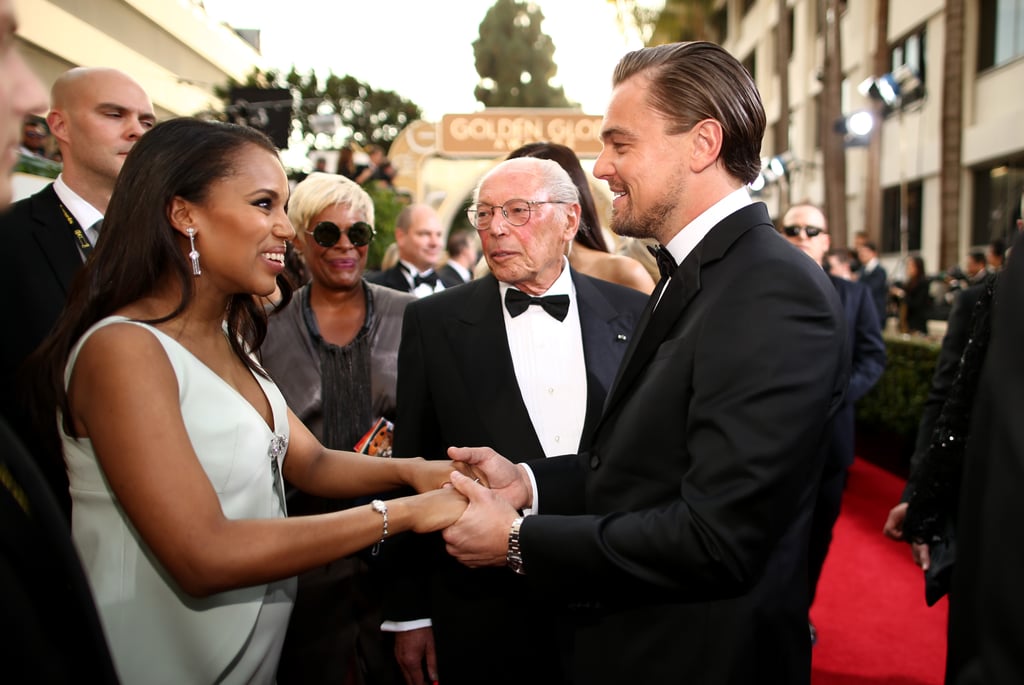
893	528
435	509
424	475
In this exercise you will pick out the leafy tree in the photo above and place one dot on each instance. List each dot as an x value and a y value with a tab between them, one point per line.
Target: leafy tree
366	115
515	58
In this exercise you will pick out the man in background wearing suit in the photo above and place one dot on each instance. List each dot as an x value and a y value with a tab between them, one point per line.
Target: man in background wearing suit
867	362
872	274
51	633
681	535
418	236
463	253
96	115
477	365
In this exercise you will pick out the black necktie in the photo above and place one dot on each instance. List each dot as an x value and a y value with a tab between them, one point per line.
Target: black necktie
419	279
666	262
516	301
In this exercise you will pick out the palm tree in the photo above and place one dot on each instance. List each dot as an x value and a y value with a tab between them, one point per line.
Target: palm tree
952	128
832	146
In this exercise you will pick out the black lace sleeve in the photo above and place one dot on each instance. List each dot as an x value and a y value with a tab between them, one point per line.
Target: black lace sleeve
935	482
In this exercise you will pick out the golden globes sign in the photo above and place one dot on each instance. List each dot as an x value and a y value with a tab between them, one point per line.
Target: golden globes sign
497	131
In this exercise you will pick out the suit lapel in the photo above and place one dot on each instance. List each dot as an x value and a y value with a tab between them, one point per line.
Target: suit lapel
478	336
684	286
603	336
53	235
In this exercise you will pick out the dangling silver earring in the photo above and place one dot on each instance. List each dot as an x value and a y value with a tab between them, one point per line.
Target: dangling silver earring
193	253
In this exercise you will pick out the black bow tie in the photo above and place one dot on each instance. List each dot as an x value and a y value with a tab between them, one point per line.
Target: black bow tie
516	301
419	279
666	262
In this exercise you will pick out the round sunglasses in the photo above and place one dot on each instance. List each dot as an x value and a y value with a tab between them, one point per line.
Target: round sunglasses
328	233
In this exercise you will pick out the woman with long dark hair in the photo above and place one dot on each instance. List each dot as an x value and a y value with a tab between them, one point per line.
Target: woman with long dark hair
176	440
913	297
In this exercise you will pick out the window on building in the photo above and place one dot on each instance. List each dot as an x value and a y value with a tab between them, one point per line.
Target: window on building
911	52
891	212
998	195
1000	32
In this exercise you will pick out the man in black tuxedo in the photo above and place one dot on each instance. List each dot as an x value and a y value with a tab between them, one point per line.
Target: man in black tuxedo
867	362
51	630
418	236
872	274
681	535
96	115
463	253
473	371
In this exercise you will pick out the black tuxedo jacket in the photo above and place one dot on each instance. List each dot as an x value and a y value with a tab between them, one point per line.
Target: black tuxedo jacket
685	543
877	282
37	278
867	362
52	633
449	276
457	386
393	278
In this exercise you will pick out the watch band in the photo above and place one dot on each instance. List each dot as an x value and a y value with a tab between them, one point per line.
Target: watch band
514	556
381	507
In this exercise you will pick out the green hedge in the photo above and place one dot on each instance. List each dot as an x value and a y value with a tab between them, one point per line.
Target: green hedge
894	404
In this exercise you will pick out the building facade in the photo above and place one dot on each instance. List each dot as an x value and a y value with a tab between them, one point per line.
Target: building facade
175	52
907	170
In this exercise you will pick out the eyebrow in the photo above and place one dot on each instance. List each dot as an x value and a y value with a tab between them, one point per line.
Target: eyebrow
614	131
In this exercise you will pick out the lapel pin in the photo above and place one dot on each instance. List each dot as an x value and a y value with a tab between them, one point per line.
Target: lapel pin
621	337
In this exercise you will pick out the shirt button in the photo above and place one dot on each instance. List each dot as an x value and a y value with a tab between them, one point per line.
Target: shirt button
595	461
551	391
557	438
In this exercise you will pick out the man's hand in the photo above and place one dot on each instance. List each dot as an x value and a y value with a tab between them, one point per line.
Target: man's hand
480	536
414	649
507	479
893	527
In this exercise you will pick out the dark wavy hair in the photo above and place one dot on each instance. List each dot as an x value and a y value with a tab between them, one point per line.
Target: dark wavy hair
699	80
140	249
590	234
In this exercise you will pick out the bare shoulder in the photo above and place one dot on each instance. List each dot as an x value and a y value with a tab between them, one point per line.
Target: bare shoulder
622	270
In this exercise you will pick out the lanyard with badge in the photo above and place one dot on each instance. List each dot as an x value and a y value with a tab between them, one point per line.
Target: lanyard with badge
84	244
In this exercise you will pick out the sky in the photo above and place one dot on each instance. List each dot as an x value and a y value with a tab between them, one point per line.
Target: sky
422	49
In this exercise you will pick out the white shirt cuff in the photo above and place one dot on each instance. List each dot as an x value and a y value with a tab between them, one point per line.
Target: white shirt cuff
527	511
403	626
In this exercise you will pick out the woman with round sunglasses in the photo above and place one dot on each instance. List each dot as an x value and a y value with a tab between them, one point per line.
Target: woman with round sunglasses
333	351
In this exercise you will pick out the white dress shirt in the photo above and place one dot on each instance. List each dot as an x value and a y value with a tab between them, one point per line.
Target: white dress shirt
423	289
85	214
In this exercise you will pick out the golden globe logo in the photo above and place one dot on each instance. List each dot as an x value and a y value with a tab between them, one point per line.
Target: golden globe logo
496	132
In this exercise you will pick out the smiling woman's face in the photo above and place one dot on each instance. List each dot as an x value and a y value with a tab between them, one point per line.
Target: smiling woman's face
339	267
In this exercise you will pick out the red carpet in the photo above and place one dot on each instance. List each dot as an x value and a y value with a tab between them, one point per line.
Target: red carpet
874	627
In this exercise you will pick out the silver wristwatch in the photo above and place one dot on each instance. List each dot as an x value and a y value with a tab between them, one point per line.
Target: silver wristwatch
514	556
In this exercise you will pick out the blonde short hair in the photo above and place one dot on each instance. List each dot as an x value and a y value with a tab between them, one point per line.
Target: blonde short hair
318	191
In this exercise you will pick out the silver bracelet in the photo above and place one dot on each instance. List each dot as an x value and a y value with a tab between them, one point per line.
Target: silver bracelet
381	507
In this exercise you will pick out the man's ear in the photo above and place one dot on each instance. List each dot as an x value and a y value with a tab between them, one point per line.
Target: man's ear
573	224
58	125
180	213
707	144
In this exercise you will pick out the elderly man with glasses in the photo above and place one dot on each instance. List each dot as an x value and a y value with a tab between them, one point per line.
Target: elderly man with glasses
520	359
